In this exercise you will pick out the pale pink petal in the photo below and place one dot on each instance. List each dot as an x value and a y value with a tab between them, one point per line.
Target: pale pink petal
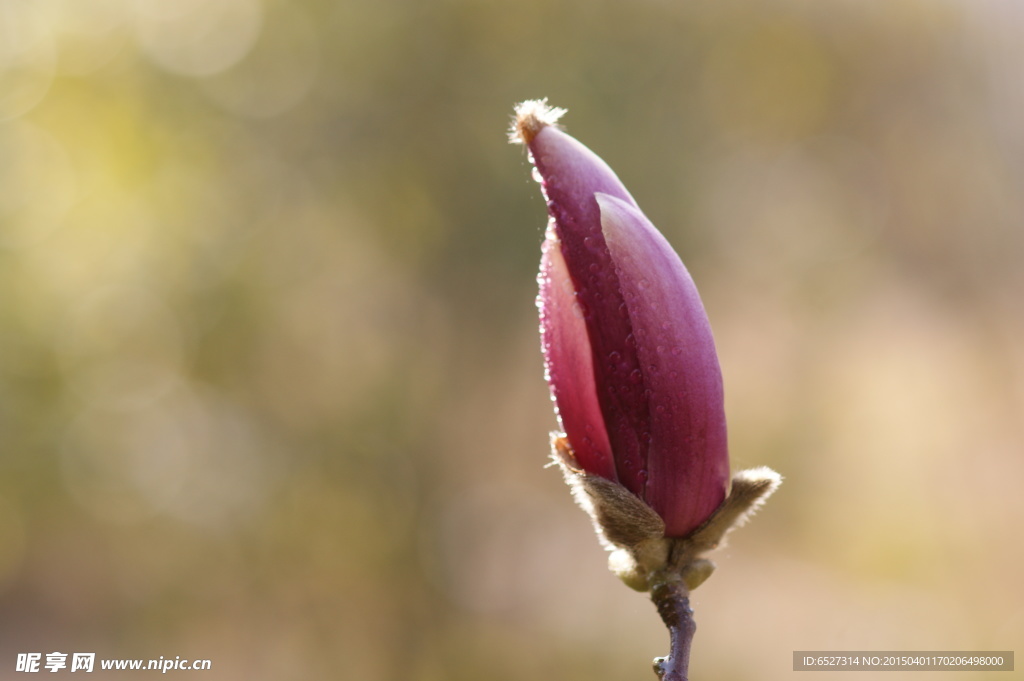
569	365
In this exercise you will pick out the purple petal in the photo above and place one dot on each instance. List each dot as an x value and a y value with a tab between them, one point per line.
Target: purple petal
569	364
687	465
571	174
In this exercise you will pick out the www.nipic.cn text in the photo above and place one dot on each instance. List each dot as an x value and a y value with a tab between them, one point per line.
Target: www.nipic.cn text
86	662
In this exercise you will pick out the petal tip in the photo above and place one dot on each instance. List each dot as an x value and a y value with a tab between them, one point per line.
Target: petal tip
532	116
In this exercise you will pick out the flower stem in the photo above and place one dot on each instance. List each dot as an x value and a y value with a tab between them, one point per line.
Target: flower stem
672	599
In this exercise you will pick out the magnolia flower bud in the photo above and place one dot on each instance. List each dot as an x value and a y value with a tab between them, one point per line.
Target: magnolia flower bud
633	371
628	348
631	363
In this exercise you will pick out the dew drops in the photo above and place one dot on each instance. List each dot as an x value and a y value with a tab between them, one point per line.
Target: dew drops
636	376
535	174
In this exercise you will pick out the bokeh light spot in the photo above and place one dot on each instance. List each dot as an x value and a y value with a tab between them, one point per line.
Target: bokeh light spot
27	58
276	74
197	37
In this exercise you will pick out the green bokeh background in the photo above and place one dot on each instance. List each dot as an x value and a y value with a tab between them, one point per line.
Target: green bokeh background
270	384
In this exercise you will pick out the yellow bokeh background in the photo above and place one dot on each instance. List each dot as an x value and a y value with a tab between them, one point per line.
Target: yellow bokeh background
270	384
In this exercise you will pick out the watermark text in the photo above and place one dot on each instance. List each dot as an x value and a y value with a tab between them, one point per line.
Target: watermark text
87	662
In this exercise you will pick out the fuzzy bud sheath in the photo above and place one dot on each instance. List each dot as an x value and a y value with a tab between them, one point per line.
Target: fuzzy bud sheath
634	375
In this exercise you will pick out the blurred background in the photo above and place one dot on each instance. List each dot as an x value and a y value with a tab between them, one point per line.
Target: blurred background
271	391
